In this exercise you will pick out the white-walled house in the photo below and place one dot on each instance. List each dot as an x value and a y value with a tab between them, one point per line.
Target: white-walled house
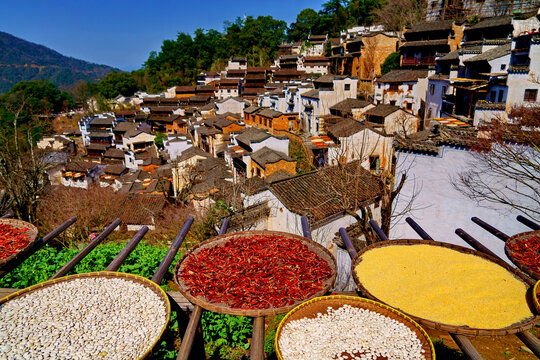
237	63
405	88
319	196
81	174
175	145
328	91
391	119
235	105
358	141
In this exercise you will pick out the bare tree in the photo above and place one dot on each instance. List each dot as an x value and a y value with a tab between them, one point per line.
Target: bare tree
22	166
395	15
506	165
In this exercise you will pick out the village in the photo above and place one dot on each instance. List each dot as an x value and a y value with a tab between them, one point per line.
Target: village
296	176
273	134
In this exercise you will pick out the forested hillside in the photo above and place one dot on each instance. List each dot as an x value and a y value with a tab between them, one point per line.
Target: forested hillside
21	60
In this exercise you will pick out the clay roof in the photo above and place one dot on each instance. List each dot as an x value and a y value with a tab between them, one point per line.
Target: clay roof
495	53
114	153
80	166
99	134
192	152
277	176
252	135
268	156
348	104
252	109
429	26
491	22
454	55
382	110
267	112
253	91
345	128
108	121
327	192
403	75
97	147
124	126
116	169
314	94
185	89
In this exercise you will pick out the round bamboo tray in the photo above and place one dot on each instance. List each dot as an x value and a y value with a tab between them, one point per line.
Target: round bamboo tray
461	330
224	308
105	274
32	233
311	308
535	295
516	239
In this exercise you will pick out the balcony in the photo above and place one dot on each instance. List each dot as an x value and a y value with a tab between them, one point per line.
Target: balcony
430	60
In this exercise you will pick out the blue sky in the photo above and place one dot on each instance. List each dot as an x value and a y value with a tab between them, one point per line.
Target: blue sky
121	33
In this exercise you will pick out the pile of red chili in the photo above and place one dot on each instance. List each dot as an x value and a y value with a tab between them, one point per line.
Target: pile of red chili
255	272
526	252
12	239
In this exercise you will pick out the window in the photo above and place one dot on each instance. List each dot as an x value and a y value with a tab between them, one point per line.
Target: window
492	96
431	89
394	87
501	95
374	163
503	66
409	106
530	95
347	87
393	102
444	90
410	87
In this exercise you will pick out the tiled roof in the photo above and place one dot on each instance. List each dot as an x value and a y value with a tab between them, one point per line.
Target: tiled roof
420	43
382	110
80	166
252	135
347	105
252	109
253	91
108	121
99	134
495	53
124	126
429	26
327	192
267	112
314	94
268	156
114	153
403	75
277	176
192	152
116	169
185	89
345	128
491	22
97	147
454	55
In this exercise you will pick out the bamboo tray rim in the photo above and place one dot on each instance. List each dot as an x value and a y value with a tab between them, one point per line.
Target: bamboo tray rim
348	300
105	274
455	329
535	294
223	308
514	239
32	233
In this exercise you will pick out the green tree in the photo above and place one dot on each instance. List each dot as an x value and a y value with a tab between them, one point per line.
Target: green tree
117	83
307	22
391	62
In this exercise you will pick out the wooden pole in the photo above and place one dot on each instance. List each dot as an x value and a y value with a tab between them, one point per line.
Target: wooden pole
119	259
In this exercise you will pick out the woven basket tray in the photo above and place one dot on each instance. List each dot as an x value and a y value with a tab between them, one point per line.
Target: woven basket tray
224	308
463	330
311	308
516	239
32	234
105	274
535	295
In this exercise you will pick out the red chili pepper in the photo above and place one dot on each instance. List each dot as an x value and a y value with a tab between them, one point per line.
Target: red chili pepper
526	252
255	272
12	240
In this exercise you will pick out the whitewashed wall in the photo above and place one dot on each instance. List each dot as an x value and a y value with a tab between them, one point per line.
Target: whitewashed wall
440	208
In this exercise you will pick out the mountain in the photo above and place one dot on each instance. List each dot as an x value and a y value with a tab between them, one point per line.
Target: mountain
21	60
